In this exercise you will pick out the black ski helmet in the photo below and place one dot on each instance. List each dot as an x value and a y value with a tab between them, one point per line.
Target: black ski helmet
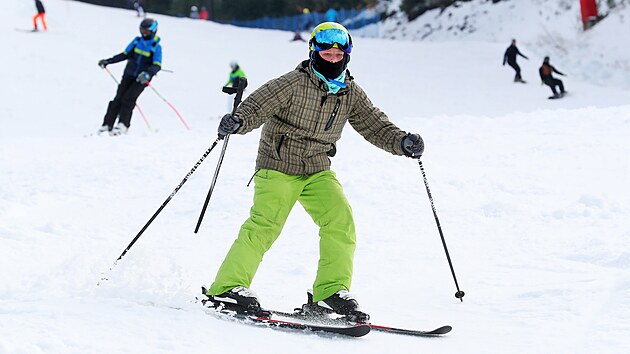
148	24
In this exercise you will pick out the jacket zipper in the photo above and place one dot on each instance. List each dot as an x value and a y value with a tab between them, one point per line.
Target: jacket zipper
135	72
333	115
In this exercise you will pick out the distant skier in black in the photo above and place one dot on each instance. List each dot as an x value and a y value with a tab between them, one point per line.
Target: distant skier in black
144	60
546	71
510	57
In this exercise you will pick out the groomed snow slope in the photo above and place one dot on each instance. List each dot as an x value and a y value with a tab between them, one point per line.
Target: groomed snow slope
531	193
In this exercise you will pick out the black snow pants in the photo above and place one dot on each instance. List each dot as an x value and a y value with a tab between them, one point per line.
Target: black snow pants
516	68
122	105
552	82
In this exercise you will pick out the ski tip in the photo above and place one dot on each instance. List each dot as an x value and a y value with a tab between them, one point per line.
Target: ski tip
432	333
360	330
356	331
442	330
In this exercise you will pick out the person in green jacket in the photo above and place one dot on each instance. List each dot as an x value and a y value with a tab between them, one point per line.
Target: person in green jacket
235	73
302	114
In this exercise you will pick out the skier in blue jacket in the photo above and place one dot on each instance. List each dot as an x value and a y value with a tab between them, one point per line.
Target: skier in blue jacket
144	60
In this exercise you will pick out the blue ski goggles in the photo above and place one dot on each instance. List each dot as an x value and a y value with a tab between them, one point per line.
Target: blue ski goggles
332	38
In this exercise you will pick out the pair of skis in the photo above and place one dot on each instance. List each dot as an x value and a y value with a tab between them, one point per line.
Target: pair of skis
312	323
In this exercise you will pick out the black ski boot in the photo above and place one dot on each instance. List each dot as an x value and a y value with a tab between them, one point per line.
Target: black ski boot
239	299
341	303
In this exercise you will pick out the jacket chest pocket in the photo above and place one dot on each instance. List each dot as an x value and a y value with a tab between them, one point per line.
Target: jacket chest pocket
333	115
330	115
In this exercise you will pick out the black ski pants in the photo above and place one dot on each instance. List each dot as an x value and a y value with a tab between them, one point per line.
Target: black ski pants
516	68
122	105
551	82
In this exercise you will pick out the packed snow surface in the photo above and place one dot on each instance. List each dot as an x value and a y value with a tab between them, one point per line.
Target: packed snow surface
532	196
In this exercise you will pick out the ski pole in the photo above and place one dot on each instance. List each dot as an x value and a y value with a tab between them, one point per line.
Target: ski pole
459	294
203	157
143	117
169	104
137	106
242	83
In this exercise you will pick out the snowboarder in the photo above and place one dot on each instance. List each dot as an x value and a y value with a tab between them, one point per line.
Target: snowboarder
41	15
510	57
546	75
302	114
144	60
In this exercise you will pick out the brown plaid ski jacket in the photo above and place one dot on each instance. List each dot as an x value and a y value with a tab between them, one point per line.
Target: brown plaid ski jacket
303	121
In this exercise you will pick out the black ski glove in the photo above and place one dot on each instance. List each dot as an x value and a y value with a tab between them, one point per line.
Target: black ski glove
103	63
143	78
229	125
412	146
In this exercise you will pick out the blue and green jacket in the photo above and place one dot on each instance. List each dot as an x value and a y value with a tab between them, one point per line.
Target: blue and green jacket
141	55
234	76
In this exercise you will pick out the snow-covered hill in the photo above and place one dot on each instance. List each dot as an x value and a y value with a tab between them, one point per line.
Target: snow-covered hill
531	193
542	27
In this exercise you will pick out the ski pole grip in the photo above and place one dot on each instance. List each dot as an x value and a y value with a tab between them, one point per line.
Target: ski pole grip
242	84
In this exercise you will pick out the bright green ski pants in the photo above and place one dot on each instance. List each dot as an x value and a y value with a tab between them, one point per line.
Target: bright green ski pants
275	193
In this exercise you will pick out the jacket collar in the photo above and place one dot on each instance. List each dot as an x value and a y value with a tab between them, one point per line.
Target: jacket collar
154	39
306	67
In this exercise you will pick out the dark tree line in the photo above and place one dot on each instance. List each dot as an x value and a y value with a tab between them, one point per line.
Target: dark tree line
415	8
238	9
